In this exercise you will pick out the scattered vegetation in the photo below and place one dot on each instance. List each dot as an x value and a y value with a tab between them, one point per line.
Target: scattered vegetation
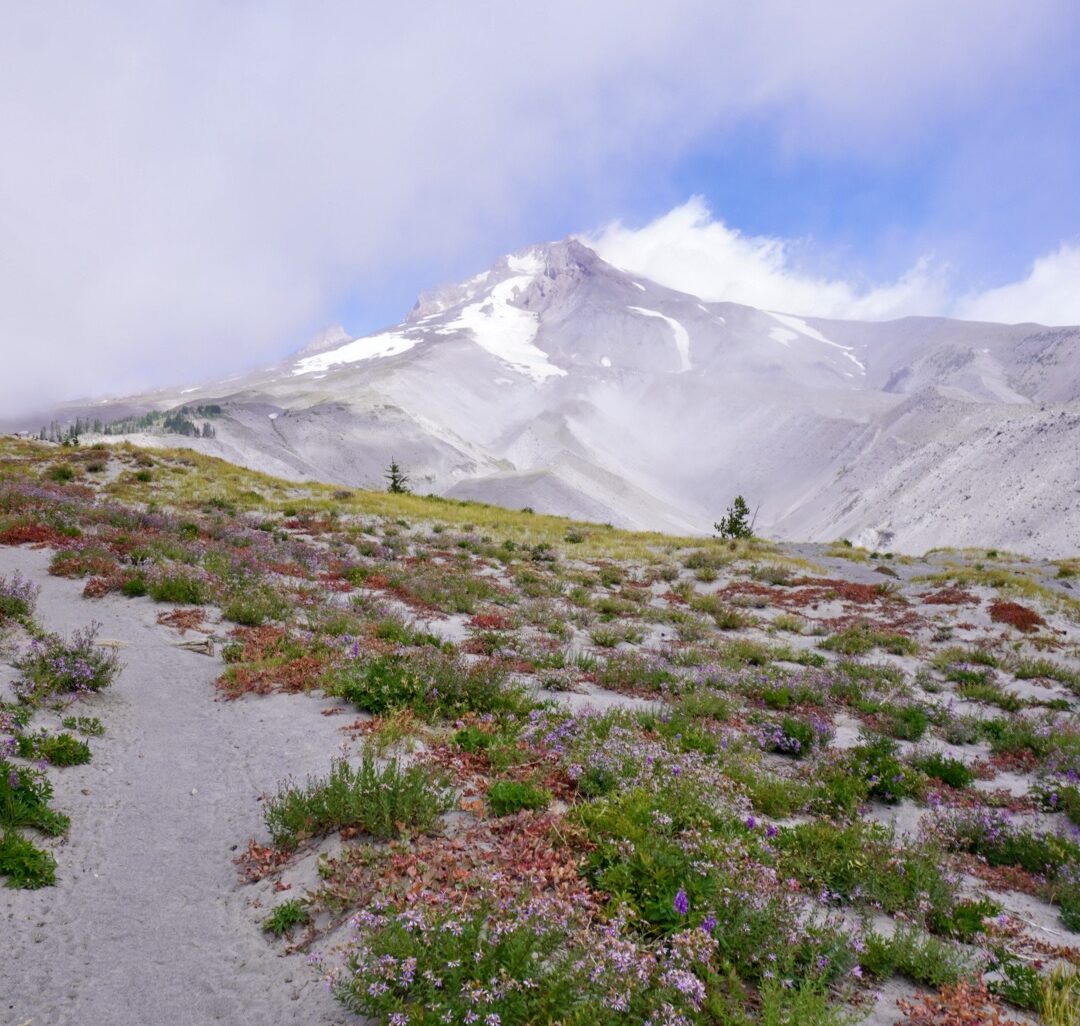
704	851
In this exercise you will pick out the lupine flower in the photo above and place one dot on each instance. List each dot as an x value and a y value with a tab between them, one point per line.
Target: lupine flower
681	903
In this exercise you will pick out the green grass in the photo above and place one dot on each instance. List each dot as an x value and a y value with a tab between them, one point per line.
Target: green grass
285	916
181	588
254	606
944	768
864	863
862	638
922	959
903	722
434	685
208	478
990	694
505	797
384	801
1046	669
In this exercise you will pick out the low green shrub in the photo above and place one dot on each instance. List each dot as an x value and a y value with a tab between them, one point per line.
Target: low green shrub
254	606
88	726
863	862
944	768
638	854
18	597
862	638
24	864
505	797
382	801
870	770
135	586
1017	982
922	959
434	684
180	588
55	749
905	722
24	801
55	666
285	916
522	965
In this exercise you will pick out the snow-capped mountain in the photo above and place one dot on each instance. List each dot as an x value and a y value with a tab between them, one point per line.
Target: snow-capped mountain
557	381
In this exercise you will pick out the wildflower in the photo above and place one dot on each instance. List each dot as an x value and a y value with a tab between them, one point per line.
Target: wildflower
681	903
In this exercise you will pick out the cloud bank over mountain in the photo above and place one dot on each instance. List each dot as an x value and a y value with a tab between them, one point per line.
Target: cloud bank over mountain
690	250
191	187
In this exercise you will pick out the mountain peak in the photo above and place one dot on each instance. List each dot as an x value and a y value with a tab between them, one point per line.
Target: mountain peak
566	261
328	338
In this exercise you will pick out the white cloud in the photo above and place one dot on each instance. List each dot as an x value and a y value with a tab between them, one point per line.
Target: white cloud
688	249
1050	294
189	187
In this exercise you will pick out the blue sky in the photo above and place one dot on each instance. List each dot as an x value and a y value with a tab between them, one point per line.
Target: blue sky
980	189
192	189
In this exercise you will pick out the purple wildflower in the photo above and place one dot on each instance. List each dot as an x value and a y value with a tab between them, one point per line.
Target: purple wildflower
681	903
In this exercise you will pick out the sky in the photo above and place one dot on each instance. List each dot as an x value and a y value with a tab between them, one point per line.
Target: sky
190	190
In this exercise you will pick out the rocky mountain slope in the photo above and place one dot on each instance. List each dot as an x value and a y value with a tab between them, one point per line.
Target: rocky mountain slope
557	381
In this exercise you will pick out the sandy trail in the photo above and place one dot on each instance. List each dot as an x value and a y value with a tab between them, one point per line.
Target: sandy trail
148	923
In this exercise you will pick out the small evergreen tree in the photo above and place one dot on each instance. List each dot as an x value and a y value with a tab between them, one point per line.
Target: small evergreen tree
735	523
397	481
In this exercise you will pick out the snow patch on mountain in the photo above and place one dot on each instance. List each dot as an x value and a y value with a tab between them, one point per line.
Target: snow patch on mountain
802	328
531	263
682	336
505	330
785	336
389	343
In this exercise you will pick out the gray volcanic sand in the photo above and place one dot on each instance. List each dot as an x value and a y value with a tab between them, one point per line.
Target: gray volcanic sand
149	923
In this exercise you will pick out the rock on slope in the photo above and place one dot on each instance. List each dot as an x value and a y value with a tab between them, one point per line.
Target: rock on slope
558	381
